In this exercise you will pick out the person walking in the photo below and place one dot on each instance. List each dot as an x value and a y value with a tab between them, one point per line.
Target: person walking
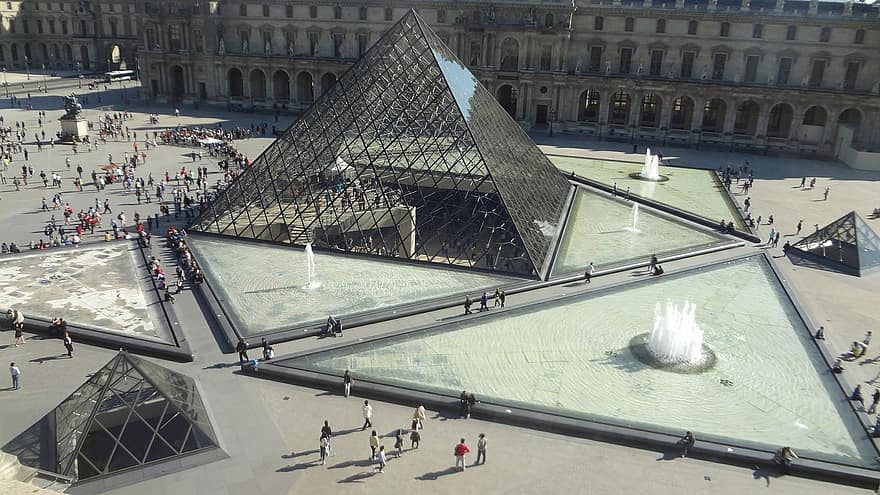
482	443
374	444
16	376
800	225
398	443
415	438
68	344
324	444
367	411
497	298
419	416
242	349
875	400
460	452
503	298
588	273
17	318
857	396
346	383
326	431
484	302
467	305
382	459
825	196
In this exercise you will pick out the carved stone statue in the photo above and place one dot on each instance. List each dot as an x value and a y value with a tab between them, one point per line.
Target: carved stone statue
491	13
245	46
72	106
608	67
221	49
267	47
290	48
639	70
705	74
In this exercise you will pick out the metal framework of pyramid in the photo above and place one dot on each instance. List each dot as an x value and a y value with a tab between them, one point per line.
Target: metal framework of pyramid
131	412
848	241
409	156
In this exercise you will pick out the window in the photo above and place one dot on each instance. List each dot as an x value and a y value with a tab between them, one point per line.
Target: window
661	26
337	12
199	40
687	64
817	73
2	53
757	31
26	27
242	10
595	58
441	16
313	11
362	44
825	35
362	13
63	27
14	51
629	24
791	33
548	20
692	27
783	71
39	26
625	60
12	26
338	38
266	12
113	28
314	38
174	37
288	11
751	68
389	14
851	75
859	37
546	56
151	39
718	63
725	30
51	27
656	67
476	53
598	23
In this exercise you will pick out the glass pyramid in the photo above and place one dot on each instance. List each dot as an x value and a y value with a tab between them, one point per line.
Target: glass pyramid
406	156
129	413
847	240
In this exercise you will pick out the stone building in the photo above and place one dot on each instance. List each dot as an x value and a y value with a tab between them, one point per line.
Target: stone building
45	36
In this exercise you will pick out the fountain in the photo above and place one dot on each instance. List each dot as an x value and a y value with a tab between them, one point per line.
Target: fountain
310	269
651	168
676	341
635	219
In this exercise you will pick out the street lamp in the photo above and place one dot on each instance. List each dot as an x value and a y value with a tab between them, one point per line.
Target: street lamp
27	68
552	118
79	76
5	82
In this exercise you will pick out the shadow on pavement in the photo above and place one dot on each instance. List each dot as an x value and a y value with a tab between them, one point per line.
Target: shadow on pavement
433	475
357	478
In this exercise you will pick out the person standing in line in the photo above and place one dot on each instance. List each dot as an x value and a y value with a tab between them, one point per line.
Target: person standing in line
68	344
367	410
346	383
374	444
325	448
482	443
16	376
875	400
381	467
415	439
460	452
588	273
242	349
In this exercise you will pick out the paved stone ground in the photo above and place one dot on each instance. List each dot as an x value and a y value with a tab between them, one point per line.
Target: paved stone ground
260	422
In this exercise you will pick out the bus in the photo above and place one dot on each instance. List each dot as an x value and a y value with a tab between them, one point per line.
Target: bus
118	75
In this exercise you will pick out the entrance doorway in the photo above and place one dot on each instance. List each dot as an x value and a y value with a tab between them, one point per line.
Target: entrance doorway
541	115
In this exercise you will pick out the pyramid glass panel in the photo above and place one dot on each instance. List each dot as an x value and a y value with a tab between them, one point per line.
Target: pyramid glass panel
406	156
130	412
848	241
769	385
612	232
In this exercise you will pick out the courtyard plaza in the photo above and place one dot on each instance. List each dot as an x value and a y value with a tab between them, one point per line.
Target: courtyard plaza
270	430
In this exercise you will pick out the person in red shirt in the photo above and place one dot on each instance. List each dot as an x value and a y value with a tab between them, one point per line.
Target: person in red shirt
461	451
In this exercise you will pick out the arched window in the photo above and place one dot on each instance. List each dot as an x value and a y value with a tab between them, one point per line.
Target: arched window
724	32
266	12
825	35
791	33
629	24
548	20
588	108
337	12
692	27
661	26
509	54
242	10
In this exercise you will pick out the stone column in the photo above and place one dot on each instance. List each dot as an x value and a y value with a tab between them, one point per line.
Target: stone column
697	116
730	115
830	127
666	110
635	109
764	119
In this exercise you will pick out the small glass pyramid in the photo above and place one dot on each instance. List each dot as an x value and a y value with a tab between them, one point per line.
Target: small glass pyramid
129	413
848	241
406	156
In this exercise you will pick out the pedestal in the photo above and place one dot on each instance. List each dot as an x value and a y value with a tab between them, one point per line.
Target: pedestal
73	129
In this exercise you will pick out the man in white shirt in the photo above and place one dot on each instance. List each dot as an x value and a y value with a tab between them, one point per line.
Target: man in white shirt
368	414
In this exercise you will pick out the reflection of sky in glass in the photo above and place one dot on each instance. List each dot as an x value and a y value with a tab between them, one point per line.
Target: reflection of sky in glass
462	83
